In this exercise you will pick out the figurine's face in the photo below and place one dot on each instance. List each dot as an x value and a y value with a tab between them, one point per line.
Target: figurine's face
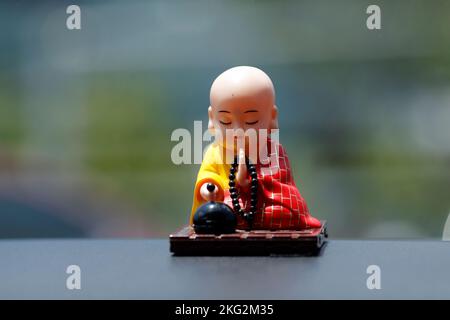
242	114
242	98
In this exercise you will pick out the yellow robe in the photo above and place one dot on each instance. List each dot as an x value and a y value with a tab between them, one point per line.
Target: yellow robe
213	170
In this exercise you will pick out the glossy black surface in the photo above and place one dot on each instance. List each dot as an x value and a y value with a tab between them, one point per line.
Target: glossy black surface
214	218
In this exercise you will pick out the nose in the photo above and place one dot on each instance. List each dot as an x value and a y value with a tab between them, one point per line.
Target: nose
238	130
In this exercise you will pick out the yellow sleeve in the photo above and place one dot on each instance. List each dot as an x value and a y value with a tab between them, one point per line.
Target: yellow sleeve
213	171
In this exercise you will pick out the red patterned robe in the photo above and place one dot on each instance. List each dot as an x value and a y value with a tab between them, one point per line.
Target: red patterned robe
280	204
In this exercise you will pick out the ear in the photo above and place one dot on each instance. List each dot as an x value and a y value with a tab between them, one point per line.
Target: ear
274	121
210	121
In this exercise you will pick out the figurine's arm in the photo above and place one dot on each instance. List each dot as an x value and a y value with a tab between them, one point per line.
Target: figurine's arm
201	191
211	172
212	190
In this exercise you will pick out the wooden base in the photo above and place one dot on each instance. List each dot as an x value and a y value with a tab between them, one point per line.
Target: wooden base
249	243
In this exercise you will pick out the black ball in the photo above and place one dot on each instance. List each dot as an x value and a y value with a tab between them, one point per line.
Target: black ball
214	218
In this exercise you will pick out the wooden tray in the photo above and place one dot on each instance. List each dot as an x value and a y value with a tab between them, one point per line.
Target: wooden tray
186	242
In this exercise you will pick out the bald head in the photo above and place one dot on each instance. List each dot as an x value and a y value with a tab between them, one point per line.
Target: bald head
244	87
242	98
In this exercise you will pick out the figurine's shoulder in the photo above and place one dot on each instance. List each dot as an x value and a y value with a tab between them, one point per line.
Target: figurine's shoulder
277	147
212	154
281	149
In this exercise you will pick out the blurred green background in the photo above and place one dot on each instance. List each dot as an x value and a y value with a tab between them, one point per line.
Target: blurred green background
86	116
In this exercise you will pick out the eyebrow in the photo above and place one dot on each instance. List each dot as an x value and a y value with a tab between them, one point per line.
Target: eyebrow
250	111
224	111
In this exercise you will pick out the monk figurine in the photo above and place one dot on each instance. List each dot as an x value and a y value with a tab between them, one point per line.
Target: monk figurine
260	189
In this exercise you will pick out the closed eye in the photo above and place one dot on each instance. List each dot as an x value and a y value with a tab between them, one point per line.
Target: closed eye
225	123
253	122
